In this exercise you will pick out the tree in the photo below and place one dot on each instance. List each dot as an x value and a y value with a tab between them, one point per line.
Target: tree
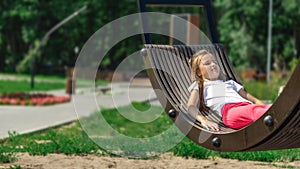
243	28
17	23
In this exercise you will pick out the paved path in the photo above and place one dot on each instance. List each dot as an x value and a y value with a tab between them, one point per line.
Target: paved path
26	119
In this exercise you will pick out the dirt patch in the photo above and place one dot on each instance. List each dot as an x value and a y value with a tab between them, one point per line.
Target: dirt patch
165	161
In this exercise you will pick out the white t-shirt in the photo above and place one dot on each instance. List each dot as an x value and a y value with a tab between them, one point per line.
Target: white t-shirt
217	93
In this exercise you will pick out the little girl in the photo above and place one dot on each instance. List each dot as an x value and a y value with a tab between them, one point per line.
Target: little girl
226	97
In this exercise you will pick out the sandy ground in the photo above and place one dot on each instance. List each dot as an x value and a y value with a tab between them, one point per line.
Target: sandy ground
165	161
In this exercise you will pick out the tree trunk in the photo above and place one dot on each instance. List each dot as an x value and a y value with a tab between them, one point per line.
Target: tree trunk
2	56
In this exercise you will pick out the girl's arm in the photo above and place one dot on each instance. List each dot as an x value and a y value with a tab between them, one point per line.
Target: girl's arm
249	97
194	112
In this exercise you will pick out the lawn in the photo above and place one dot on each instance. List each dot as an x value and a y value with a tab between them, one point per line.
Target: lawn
10	83
72	139
21	83
11	86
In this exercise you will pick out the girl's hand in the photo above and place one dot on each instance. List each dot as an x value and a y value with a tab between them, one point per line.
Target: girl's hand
194	112
251	98
209	125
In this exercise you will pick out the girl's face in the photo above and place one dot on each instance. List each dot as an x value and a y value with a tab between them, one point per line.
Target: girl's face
209	67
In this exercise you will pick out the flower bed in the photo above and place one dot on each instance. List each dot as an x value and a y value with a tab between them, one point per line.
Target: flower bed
38	99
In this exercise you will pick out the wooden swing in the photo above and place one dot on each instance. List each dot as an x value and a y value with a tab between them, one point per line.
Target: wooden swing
278	128
169	73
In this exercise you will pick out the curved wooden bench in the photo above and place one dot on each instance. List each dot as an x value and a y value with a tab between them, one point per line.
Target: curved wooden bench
169	72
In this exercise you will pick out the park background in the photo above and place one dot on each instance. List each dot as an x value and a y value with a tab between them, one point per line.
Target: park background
242	27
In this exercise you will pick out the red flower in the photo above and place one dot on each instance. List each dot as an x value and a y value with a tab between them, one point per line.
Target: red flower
32	99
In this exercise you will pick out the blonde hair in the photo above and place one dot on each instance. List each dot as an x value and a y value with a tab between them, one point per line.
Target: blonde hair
197	76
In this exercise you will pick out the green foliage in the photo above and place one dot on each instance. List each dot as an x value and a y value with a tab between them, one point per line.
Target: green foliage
17	20
293	63
242	27
262	90
238	21
23	23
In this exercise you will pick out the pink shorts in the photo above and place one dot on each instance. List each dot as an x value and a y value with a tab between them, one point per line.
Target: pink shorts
239	115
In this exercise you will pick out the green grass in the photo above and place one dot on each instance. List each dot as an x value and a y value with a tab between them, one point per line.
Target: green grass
133	129
7	157
36	77
73	139
21	83
265	91
261	90
266	156
131	136
15	167
67	140
10	86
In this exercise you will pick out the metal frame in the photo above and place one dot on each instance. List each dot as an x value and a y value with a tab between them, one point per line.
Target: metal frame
209	14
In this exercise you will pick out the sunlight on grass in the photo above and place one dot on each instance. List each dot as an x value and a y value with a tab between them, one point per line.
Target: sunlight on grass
127	127
72	139
9	86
